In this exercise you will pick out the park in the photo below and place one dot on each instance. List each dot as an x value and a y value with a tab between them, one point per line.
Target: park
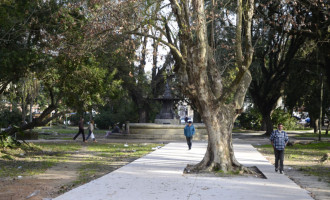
136	99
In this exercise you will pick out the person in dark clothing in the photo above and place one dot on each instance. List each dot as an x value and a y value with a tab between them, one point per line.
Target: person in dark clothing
116	129
189	132
81	129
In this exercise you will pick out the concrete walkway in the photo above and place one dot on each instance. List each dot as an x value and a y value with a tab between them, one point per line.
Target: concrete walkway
158	175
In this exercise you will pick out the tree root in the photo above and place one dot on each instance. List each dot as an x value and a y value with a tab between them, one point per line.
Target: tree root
214	167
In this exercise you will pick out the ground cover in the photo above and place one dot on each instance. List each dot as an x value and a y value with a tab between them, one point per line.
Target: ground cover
307	164
314	135
48	169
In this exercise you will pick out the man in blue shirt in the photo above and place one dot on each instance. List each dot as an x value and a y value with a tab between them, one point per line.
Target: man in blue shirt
279	140
189	131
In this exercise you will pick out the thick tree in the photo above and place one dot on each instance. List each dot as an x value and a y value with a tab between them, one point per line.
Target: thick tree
305	83
282	29
216	97
217	89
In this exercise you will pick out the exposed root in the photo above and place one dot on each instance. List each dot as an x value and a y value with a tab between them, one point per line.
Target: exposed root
216	168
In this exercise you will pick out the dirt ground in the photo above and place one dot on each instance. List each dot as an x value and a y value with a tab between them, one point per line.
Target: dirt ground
53	182
59	179
318	189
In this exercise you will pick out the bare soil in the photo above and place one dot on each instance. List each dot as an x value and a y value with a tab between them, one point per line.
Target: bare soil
317	188
53	182
60	178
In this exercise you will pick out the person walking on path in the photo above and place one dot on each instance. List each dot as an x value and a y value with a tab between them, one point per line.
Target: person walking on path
91	131
189	132
81	129
279	140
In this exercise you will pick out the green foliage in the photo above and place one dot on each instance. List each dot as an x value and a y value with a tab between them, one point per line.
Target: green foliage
120	110
281	116
8	141
10	117
250	119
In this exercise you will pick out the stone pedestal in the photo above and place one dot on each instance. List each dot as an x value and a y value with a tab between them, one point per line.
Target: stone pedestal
167	121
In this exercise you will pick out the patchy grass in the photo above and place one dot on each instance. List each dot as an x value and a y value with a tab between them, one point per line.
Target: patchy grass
305	157
26	160
60	132
241	130
98	159
313	135
110	156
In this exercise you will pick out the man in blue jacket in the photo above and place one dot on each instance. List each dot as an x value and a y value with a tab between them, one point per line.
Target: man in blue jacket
189	131
279	140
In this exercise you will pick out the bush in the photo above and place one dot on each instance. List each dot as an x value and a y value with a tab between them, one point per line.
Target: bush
104	119
280	116
7	117
250	119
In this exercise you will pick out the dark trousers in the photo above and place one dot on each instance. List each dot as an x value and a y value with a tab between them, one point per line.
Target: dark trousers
89	134
189	139
279	157
82	132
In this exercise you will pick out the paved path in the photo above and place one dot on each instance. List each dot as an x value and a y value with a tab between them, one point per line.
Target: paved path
159	176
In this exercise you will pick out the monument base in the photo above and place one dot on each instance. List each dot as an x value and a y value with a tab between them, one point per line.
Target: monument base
167	121
164	131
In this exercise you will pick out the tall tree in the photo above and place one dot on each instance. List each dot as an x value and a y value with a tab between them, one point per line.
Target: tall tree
216	97
281	31
64	62
216	91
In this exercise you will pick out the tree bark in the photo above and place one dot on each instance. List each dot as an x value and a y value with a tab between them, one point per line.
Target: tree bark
220	153
267	123
197	70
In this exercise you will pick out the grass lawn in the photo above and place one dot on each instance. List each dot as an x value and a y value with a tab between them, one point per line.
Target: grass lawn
95	159
305	157
313	135
60	132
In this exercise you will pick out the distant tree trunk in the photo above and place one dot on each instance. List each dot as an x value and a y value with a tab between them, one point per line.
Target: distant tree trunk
197	117
24	110
142	116
91	115
267	123
316	125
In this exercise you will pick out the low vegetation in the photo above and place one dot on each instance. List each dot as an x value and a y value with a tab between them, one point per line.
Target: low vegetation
311	159
314	135
94	159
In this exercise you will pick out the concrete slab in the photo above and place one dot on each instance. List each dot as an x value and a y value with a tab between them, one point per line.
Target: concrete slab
158	175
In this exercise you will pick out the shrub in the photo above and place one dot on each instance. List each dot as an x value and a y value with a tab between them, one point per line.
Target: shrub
250	119
281	116
103	120
7	117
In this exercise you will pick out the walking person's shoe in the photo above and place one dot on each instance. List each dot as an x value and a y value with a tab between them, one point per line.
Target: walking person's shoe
276	170
281	172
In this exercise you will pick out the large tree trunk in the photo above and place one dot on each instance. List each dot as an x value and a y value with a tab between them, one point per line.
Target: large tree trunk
220	152
204	85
